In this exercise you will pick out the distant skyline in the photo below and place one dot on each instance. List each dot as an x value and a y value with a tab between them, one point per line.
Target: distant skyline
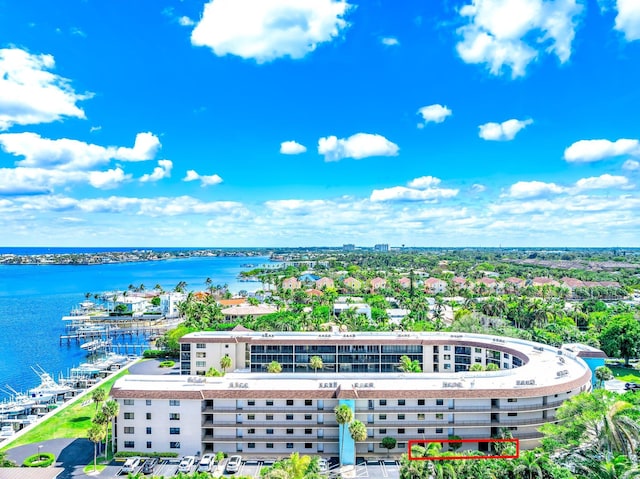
259	123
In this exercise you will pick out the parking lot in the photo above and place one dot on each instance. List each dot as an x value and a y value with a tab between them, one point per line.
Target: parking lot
251	467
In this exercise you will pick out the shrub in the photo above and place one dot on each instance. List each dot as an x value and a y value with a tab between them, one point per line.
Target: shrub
167	364
44	459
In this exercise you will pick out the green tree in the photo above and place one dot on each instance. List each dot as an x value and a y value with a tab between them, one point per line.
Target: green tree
358	431
95	434
621	337
4	461
603	374
110	410
98	396
492	367
476	367
409	366
344	416
225	363
316	363
529	465
389	443
274	367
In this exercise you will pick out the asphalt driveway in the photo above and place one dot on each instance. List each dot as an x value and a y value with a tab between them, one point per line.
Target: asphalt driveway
71	454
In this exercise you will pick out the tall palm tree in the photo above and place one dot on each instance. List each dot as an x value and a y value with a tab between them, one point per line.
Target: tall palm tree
344	416
98	396
110	410
530	465
225	362
95	435
316	363
358	431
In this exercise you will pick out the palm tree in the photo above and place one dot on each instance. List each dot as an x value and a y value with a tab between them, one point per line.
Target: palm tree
316	363
110	410
344	416
98	396
358	431
225	362
603	374
95	435
530	465
618	467
274	367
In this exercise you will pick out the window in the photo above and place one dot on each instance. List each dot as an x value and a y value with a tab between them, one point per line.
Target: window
400	417
447	357
478	350
269	402
401	402
307	417
438	430
505	365
308	445
201	346
251	430
420	416
478	360
439	416
174	416
251	445
308	402
148	444
383	402
251	402
269	445
129	444
420	402
128	430
174	430
269	431
447	348
307	431
420	430
290	431
148	401
506	355
148	430
447	366
269	417
382	417
128	402
251	417
129	415
174	445
148	416
401	430
289	402
174	402
439	402
512	414
512	400
382	431
201	355
201	364
402	445
289	445
289	417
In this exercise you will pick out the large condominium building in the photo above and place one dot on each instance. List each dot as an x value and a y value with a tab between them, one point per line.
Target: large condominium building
255	412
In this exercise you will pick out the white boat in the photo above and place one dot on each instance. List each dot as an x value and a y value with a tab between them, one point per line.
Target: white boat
19	404
92	346
48	390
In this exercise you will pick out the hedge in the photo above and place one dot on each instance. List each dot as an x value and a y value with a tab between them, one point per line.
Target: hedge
43	459
167	364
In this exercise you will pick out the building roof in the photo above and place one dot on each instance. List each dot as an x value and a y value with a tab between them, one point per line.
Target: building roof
30	472
249	310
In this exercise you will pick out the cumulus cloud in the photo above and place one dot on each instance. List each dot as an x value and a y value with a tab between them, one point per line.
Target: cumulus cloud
434	113
68	154
425	188
389	41
478	188
292	148
505	131
631	165
265	30
628	19
192	175
358	146
163	170
107	180
30	93
35	181
511	33
186	21
585	151
533	189
602	182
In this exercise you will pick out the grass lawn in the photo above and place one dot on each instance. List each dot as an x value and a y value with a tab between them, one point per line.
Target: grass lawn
72	422
627	375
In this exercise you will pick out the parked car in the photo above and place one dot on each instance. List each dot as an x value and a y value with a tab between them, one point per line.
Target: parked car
149	465
632	386
186	464
233	465
206	463
323	466
131	464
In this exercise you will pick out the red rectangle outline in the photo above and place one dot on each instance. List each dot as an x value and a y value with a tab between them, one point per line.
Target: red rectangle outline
420	442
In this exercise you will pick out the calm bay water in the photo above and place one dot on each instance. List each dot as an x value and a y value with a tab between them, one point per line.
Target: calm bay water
33	300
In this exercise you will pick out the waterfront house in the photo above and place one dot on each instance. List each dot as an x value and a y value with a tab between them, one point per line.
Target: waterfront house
325	282
352	284
435	285
378	283
291	283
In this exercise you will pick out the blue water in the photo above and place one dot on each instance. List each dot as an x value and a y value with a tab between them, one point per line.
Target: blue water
33	300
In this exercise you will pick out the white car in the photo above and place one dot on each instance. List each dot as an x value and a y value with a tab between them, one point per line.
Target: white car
186	464
323	466
206	463
131	464
234	463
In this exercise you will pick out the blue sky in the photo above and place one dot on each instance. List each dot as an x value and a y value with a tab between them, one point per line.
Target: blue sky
319	122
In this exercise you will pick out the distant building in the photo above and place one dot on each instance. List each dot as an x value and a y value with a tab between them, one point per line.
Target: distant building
325	283
352	283
381	248
404	282
348	247
169	303
435	285
290	283
377	283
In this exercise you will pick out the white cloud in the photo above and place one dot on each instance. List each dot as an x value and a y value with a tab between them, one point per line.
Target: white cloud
510	33
192	175
186	21
434	113
533	189
358	146
265	30
68	154
505	131
292	148
163	170
478	188
585	151
424	188
31	181
389	41
424	182
30	93
602	182
631	165
628	19
107	180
